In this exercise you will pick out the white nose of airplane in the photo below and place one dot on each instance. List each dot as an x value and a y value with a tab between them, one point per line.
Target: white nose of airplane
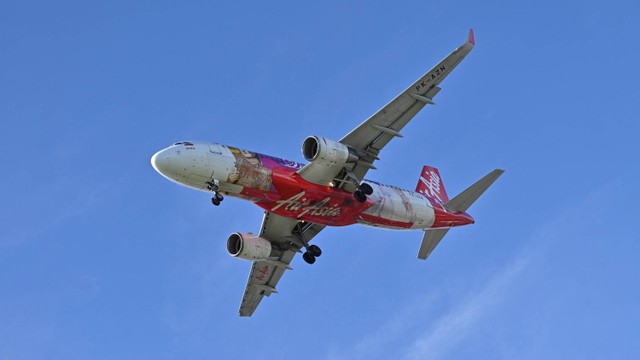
161	161
184	163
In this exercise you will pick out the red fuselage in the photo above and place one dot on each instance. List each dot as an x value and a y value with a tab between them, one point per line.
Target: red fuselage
275	185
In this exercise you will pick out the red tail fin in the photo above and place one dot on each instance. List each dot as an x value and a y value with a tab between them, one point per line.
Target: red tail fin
430	184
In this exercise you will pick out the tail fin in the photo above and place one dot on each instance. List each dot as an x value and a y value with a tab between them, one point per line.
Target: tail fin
460	203
430	184
466	198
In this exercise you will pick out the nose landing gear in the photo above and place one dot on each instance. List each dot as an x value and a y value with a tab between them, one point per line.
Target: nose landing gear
215	187
216	199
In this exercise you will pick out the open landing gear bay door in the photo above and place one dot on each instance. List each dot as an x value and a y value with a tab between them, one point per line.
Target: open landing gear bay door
264	276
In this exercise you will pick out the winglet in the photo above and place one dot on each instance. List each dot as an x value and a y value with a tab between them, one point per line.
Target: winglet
471	40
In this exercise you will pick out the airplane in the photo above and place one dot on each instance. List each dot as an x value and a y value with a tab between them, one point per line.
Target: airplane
330	190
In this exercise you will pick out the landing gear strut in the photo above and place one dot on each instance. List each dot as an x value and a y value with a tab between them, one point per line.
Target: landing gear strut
313	251
215	187
364	189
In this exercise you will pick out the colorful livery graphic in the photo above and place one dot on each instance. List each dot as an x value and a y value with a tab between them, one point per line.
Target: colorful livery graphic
300	200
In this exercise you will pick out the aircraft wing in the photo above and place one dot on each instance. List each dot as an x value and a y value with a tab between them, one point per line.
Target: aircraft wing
370	137
264	276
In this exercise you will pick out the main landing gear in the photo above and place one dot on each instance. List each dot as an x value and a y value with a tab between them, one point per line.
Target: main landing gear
364	189
313	251
215	187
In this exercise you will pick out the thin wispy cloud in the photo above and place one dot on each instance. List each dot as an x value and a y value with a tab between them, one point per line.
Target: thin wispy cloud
446	331
367	347
453	326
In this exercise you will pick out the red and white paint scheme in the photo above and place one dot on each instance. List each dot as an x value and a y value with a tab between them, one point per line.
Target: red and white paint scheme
300	200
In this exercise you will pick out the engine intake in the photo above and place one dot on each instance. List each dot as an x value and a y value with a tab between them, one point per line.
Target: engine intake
328	152
249	247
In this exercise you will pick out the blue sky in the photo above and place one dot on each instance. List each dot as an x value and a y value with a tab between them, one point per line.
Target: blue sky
101	257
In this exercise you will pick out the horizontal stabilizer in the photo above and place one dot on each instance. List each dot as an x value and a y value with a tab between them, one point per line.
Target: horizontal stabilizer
466	198
430	240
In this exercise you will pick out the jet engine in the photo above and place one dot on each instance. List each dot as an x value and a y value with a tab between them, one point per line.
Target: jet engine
327	152
248	246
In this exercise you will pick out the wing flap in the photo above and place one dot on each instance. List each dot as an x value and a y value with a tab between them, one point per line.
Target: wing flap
401	110
263	278
265	274
397	113
375	133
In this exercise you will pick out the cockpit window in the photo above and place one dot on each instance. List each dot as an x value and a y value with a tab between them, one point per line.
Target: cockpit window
185	143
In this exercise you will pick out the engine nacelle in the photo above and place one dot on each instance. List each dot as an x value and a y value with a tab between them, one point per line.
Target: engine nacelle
327	152
248	246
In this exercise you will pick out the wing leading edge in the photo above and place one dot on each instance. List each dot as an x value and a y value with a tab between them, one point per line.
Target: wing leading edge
266	274
370	137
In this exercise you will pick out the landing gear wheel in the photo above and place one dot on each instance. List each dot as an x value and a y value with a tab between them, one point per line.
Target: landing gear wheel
309	258
213	185
315	250
360	196
365	188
